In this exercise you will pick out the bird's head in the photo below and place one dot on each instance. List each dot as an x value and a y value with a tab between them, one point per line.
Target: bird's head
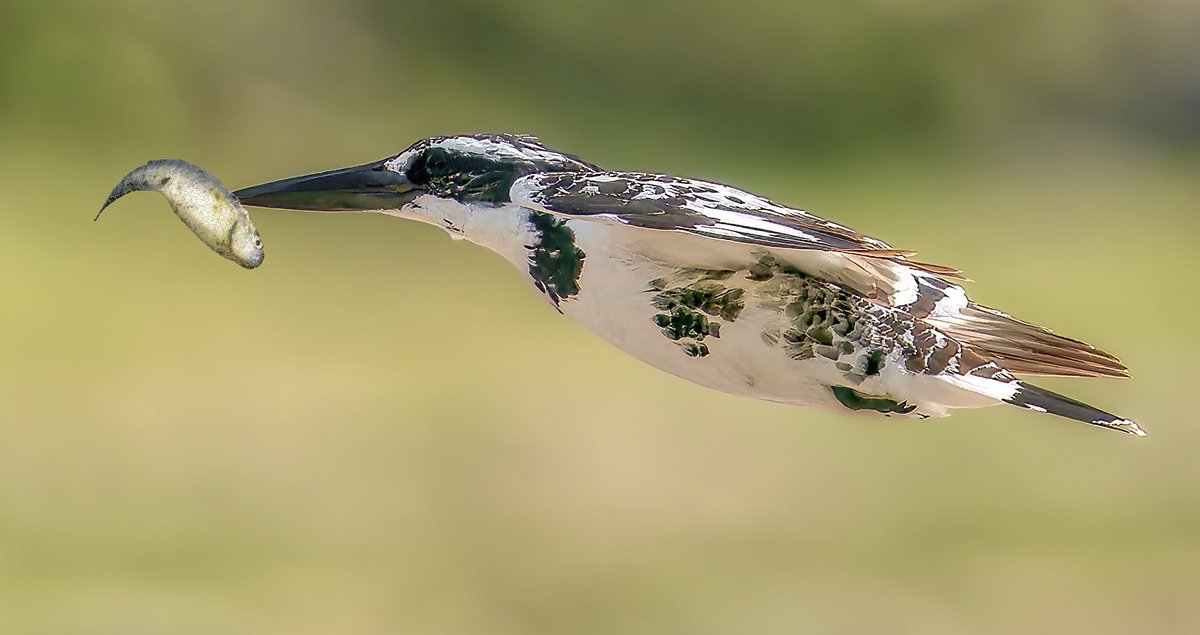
464	168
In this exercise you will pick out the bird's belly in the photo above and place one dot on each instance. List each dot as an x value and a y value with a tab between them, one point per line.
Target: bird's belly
737	362
712	333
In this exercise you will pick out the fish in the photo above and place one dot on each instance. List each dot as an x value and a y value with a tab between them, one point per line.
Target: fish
203	203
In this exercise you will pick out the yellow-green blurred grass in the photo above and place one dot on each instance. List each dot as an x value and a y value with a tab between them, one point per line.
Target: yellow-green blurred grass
383	431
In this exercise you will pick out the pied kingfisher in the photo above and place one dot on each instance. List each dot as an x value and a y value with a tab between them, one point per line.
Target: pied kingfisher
717	285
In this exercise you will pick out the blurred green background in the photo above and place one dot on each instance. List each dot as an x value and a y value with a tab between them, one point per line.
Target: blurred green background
363	436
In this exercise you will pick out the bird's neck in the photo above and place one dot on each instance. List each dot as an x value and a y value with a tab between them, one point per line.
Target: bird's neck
505	229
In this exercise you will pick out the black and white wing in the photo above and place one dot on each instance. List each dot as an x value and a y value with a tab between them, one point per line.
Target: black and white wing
655	201
726	215
712	210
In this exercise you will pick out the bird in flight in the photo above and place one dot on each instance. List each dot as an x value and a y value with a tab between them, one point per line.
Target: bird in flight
717	285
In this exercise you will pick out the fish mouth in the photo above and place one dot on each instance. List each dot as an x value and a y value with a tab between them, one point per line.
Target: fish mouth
362	188
251	260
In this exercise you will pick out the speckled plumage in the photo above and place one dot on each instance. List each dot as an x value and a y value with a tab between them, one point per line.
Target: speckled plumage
732	291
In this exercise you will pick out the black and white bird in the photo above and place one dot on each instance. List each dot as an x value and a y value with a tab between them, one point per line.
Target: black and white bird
717	285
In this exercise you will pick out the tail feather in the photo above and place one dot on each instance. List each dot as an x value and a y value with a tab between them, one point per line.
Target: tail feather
1042	400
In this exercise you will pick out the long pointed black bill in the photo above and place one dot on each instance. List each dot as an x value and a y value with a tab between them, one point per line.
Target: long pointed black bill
361	188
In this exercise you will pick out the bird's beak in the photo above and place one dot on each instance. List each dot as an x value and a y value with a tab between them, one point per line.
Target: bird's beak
361	188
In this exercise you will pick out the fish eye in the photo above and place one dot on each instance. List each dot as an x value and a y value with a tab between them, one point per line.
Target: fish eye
257	243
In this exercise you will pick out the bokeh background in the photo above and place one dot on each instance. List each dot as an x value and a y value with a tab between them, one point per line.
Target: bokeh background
382	431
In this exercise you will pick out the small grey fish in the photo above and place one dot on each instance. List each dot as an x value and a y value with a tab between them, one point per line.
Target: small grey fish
206	206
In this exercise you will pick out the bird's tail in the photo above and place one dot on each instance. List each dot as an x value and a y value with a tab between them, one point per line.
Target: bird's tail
1042	400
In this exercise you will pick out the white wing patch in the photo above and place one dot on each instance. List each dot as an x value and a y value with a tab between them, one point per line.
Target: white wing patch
751	224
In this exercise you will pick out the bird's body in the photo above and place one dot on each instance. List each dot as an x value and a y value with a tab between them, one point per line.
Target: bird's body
623	287
717	285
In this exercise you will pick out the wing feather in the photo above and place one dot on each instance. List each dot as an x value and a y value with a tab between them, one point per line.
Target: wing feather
1018	346
654	201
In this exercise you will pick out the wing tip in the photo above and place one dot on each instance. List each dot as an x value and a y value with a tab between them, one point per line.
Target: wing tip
900	257
1028	349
